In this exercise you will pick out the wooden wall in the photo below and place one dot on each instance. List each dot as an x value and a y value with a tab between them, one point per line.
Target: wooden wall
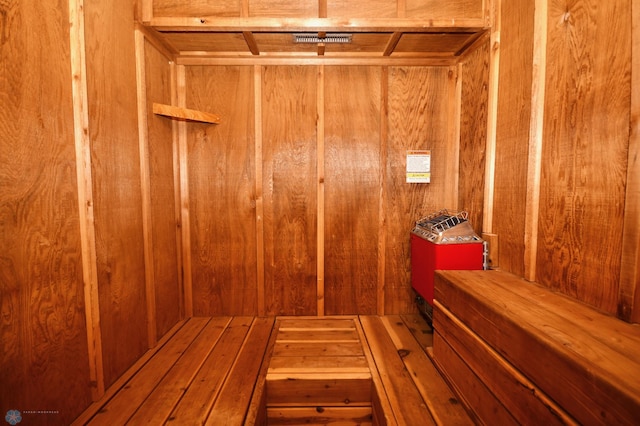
43	349
79	255
296	203
115	159
297	199
564	151
512	141
474	76
160	187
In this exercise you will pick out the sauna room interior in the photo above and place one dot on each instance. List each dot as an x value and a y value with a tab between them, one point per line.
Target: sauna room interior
205	212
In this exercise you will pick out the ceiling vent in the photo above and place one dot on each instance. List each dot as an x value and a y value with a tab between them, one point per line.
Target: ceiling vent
316	38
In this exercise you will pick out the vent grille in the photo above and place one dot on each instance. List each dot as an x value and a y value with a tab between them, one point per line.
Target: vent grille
315	38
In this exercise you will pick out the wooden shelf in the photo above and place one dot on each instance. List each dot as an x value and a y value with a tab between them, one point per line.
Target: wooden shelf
185	114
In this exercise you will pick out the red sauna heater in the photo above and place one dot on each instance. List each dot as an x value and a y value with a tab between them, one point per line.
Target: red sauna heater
440	241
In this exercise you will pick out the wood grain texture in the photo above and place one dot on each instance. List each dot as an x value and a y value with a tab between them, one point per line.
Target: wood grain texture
473	133
417	119
115	159
362	9
220	8
629	300
43	354
584	157
185	113
443	404
166	271
222	192
512	134
465	383
289	185
194	406
522	398
561	345
284	8
408	406
435	9
352	149
125	403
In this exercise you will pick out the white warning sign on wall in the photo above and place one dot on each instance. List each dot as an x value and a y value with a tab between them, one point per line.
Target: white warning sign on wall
419	166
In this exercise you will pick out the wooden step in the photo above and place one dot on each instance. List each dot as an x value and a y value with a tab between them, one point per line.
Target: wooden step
317	371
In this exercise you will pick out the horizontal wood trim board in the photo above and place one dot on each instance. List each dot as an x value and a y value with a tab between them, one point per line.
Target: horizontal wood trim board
204	59
205	23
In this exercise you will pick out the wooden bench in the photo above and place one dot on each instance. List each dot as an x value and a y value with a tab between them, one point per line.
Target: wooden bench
517	352
408	389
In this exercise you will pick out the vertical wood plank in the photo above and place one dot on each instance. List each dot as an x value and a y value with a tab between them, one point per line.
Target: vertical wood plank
452	189
177	191
289	162
146	10
257	85
538	87
401	8
185	218
437	9
164	191
322	8
419	111
382	169
352	150
492	117
85	197
143	140
320	191
585	150
473	133
513	121
113	130
629	299
222	202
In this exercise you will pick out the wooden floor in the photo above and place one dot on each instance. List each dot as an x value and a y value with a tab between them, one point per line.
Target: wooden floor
365	370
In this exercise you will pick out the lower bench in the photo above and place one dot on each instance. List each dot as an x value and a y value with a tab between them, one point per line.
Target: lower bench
516	352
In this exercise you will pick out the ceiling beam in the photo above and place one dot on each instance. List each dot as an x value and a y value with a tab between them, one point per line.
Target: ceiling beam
251	42
392	43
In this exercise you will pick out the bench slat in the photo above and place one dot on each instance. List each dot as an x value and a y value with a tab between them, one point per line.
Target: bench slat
404	398
443	404
486	406
124	404
500	377
194	406
233	402
158	406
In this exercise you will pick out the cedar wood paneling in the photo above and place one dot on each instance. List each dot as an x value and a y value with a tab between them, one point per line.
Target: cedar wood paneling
512	141
289	158
113	131
473	133
418	105
222	185
222	192
584	157
168	292
44	350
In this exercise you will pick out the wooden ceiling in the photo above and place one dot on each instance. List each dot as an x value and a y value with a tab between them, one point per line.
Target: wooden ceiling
398	43
412	29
